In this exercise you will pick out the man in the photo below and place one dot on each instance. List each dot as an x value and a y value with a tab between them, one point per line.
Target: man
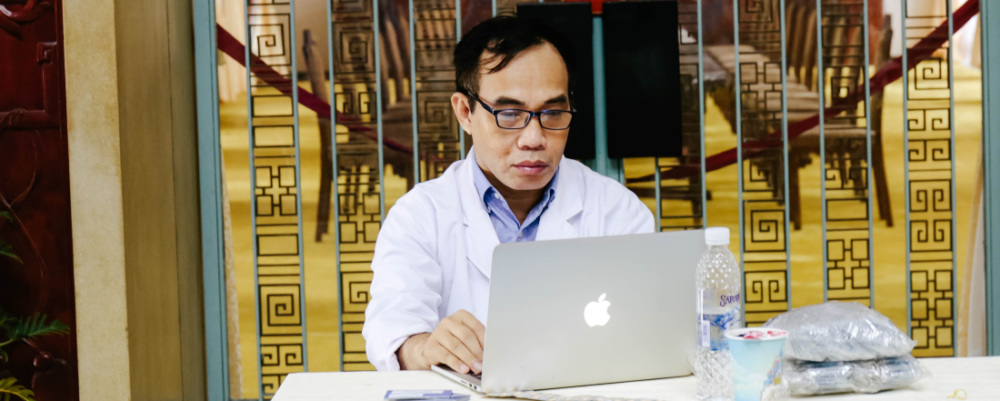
433	255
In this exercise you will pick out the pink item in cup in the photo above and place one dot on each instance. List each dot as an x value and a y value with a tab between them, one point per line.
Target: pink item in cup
761	334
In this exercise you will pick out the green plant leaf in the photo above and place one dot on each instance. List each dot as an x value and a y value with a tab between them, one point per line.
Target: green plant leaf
5	250
5	318
9	389
35	326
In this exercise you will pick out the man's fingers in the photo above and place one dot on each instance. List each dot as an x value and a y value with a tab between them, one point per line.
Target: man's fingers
439	350
473	324
455	364
468	337
479	330
455	347
459	336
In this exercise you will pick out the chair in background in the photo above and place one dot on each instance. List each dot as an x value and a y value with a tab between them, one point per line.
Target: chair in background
843	135
361	151
802	44
319	88
882	58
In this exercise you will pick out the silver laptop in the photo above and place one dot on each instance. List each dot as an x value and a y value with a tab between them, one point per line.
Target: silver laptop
589	311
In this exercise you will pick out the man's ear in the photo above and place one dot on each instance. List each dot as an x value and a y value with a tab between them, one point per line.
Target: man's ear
460	104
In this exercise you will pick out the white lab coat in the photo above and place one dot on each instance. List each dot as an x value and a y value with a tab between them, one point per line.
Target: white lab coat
434	253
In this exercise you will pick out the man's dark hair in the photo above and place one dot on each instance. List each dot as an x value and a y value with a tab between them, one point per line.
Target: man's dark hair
503	38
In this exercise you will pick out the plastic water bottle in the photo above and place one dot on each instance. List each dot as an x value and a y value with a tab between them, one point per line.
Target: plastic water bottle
719	288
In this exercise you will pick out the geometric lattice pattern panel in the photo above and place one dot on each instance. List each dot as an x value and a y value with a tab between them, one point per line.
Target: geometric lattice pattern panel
358	199
439	143
508	7
364	67
846	141
931	188
277	214
762	173
681	206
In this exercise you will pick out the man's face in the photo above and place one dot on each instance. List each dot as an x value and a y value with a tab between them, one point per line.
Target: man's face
521	159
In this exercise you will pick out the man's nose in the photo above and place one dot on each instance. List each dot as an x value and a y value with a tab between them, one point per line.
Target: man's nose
532	137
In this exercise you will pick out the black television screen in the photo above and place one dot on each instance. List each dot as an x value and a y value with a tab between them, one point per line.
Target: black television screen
574	20
642	79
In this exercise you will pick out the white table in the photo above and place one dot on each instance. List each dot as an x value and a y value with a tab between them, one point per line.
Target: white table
952	379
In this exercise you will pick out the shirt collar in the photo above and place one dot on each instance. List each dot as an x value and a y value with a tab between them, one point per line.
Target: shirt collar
484	188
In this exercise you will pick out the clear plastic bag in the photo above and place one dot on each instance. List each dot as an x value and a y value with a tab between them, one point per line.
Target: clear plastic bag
802	378
840	331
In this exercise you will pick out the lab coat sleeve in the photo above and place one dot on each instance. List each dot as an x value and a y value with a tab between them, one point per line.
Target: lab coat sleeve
406	283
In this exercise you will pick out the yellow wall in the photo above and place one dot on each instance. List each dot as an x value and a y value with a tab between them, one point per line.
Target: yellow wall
133	179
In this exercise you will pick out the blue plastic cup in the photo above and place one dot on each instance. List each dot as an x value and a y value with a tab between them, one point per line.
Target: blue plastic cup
756	361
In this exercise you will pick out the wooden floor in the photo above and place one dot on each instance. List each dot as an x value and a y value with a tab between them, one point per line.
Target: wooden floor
806	255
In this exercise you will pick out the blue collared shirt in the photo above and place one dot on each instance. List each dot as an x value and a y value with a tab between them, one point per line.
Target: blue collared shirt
508	228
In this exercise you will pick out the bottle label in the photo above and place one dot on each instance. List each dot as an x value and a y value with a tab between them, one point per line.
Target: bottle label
716	314
704	333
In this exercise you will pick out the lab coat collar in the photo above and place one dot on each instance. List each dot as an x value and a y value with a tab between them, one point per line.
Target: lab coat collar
567	204
481	237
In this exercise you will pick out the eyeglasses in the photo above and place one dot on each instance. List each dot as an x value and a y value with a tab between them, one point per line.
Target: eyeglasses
517	119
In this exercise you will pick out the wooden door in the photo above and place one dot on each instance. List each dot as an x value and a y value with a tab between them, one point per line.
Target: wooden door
34	190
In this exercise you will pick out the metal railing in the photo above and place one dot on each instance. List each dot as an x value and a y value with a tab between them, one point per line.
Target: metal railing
389	109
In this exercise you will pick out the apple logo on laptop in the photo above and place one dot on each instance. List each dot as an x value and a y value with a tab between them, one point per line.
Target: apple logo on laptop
596	313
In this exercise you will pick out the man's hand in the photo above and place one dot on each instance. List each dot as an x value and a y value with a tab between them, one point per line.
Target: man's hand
457	342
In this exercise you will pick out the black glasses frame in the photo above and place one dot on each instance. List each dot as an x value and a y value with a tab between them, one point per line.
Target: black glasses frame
531	114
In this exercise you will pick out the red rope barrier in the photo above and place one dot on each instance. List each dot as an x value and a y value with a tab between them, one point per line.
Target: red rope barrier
234	49
888	74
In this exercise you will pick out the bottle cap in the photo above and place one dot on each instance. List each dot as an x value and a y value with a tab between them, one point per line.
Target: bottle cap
717	236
